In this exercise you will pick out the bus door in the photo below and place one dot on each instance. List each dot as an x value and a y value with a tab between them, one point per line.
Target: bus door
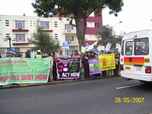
128	54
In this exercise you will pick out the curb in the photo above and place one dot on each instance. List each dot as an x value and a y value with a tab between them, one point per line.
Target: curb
38	84
54	82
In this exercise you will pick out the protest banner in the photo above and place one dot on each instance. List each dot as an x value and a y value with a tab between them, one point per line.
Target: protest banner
94	67
68	68
107	62
24	70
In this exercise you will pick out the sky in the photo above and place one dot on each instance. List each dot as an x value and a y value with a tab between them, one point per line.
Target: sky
135	15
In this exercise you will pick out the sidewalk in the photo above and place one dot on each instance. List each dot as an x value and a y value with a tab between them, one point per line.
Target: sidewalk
53	82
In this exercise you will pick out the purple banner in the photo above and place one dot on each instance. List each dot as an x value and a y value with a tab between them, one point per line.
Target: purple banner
68	68
94	67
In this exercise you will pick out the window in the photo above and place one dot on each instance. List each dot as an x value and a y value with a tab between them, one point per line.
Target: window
70	39
7	35
20	24
56	36
44	24
20	37
129	48
68	27
55	24
7	23
30	23
91	24
122	48
141	46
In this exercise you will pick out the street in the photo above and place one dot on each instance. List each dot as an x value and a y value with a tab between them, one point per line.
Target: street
84	97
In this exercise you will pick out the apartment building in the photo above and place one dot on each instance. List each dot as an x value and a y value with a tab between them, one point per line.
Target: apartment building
93	24
17	32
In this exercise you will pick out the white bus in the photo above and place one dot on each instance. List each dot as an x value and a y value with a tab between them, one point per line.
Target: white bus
136	56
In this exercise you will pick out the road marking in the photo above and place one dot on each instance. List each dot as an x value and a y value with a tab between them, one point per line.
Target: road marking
124	87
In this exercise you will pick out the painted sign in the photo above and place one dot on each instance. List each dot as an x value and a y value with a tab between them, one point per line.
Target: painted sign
68	68
94	67
107	62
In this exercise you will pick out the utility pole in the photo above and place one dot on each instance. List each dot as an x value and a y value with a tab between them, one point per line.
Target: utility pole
9	39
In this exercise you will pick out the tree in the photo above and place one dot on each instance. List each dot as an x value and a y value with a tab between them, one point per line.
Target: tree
44	43
76	9
108	36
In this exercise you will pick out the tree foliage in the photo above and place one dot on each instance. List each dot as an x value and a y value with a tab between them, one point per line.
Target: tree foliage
76	9
43	42
108	36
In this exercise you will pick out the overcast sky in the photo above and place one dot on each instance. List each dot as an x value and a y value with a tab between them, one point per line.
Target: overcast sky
135	15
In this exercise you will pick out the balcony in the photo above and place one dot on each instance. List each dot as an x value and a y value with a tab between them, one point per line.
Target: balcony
94	19
20	30
21	43
26	42
91	31
46	30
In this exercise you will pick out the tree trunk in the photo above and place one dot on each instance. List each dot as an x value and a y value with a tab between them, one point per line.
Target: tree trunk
80	30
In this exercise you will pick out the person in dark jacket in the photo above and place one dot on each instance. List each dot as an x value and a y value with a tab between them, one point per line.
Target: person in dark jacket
85	65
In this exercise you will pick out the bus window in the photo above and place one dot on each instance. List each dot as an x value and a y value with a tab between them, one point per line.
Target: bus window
141	46
129	48
122	48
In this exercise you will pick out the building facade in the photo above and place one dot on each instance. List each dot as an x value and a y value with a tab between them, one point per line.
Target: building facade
17	32
93	24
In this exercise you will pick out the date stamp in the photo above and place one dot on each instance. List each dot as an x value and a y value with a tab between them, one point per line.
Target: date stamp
129	100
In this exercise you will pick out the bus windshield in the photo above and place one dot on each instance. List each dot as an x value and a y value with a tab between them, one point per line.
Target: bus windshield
141	46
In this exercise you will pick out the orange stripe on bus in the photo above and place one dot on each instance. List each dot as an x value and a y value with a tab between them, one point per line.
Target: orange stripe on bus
134	60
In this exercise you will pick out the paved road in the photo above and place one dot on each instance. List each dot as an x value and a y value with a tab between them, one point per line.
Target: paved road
87	97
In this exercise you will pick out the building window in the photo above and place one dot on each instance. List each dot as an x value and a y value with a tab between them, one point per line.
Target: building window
70	39
7	35
90	24
7	23
20	37
55	24
44	24
56	36
68	27
20	24
31	23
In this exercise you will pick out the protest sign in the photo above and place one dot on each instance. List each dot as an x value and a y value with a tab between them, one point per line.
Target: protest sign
24	70
94	67
68	68
107	62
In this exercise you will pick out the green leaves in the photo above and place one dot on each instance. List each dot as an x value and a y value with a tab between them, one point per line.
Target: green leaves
43	42
108	35
77	8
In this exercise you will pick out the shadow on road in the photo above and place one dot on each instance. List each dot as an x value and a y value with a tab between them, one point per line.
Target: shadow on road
144	87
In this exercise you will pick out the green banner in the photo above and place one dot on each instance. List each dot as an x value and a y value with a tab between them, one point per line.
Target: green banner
24	70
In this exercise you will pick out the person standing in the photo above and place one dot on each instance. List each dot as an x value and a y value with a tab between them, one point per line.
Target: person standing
38	54
75	54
